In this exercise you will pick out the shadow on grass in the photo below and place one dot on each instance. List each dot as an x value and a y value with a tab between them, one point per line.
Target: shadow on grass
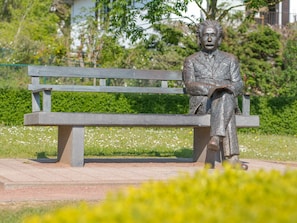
41	155
180	153
138	160
179	156
184	153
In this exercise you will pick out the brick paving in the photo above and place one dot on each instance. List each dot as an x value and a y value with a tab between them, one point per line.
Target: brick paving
23	180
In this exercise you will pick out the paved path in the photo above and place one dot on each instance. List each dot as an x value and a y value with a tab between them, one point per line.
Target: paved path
44	180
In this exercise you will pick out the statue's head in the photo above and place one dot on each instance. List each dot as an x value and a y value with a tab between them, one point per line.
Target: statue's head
210	35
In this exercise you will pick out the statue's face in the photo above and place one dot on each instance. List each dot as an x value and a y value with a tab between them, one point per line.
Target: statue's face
210	39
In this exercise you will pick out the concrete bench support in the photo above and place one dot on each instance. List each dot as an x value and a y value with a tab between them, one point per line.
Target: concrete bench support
71	145
201	138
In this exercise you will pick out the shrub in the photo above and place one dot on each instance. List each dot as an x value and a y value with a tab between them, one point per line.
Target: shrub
90	102
14	104
277	114
207	196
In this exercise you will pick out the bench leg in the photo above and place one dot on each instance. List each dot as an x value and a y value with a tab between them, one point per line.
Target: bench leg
200	151
71	145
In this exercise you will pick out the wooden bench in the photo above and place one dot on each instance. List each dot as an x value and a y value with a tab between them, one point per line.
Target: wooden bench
71	125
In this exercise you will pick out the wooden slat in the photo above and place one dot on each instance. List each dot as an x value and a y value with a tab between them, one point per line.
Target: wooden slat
55	71
114	89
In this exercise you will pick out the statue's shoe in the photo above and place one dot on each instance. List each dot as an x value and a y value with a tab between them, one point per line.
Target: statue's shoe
214	143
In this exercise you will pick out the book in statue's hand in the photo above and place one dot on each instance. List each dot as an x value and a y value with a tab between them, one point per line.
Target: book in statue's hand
218	89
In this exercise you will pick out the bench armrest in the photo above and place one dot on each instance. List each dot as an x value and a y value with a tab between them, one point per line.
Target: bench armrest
41	90
246	104
46	99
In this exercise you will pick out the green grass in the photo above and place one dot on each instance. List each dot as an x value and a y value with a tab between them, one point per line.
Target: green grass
16	212
268	147
41	142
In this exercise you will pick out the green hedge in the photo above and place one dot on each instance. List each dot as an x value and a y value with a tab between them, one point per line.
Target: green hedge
207	196
13	105
119	103
277	115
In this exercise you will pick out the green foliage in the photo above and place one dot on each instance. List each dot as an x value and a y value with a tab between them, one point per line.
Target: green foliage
254	5
15	213
111	54
277	115
31	33
290	76
161	50
290	50
90	102
162	104
231	195
14	77
263	44
170	35
14	104
258	49
164	57
119	103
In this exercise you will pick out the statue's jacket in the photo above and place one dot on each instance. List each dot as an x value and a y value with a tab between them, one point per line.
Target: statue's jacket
203	71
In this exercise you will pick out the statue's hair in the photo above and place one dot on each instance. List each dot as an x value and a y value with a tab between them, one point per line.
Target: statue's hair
212	23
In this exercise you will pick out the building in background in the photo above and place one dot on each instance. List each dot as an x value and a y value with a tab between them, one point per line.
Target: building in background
280	15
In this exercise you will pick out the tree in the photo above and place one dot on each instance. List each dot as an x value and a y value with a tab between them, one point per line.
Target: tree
7	6
31	35
259	51
123	17
62	9
257	4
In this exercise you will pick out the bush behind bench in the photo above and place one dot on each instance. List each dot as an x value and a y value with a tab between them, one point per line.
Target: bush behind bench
277	115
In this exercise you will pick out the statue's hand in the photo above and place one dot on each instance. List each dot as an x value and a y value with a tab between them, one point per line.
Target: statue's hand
219	90
227	89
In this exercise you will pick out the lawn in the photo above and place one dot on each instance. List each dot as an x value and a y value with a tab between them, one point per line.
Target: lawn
15	212
41	142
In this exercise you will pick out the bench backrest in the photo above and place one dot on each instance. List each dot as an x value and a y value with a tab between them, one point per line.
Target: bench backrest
53	78
100	77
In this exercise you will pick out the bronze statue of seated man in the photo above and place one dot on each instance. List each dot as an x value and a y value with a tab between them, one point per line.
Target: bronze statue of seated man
212	78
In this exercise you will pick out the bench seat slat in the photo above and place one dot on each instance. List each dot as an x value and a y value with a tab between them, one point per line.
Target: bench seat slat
114	89
140	120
